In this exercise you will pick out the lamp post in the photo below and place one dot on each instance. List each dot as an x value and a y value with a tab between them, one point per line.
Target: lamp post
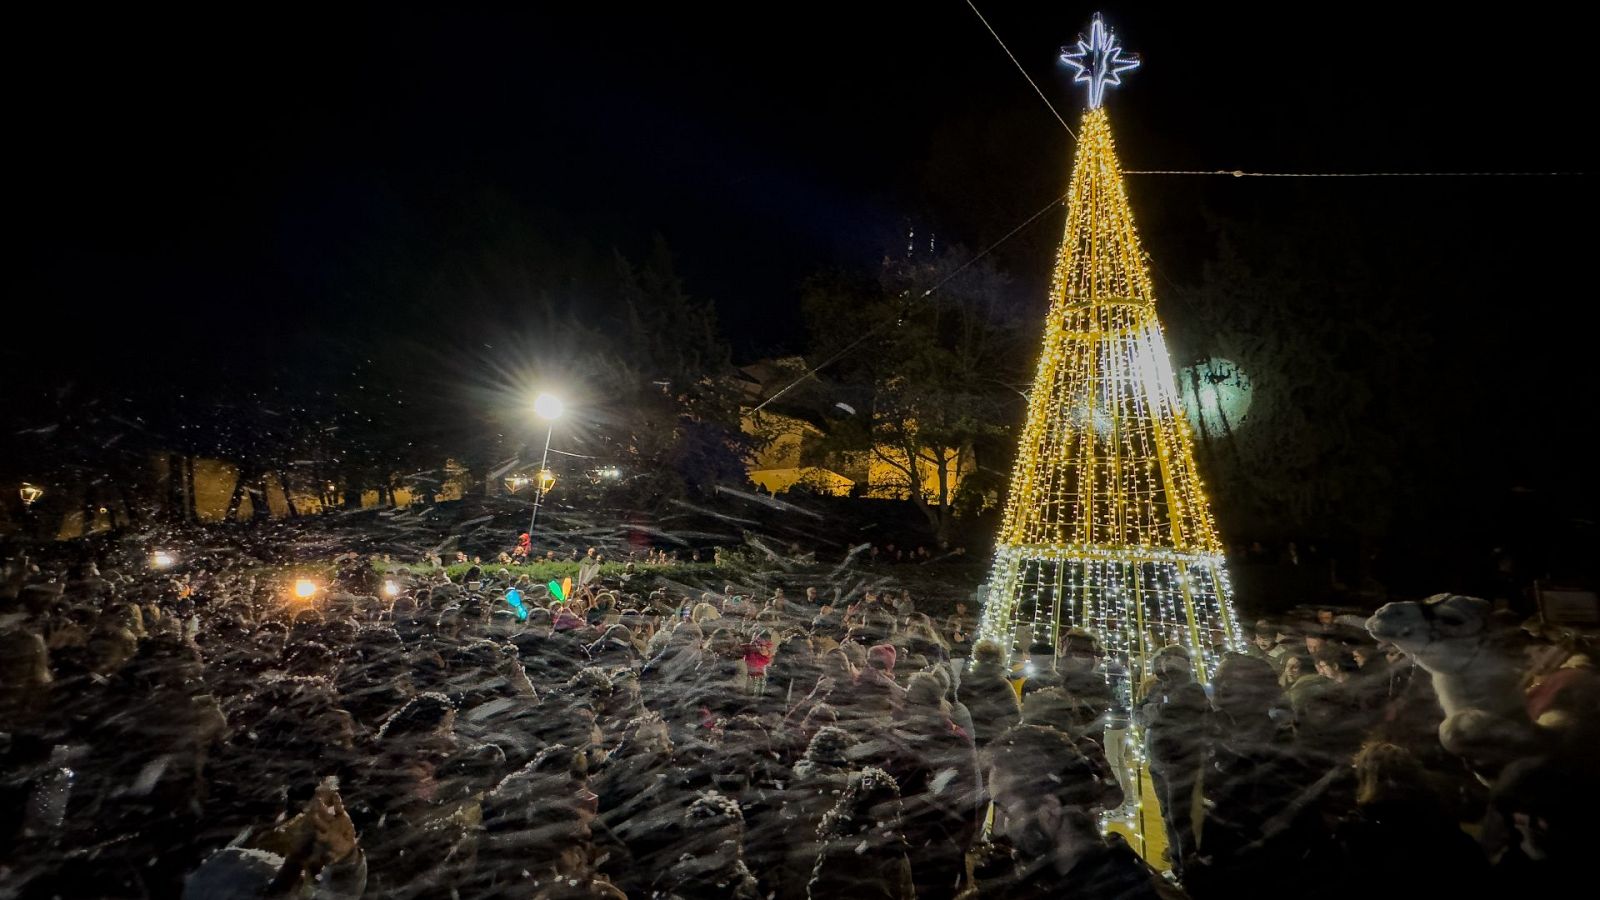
549	408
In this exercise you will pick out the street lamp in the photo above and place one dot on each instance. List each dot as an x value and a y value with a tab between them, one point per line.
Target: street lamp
549	408
31	494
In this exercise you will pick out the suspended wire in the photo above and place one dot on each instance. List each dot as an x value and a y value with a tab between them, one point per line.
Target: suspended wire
1235	172
1022	70
906	307
1239	174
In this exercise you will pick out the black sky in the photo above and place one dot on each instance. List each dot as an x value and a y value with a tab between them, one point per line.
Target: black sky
232	181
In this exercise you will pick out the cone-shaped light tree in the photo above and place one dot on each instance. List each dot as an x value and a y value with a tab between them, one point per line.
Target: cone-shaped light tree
1107	526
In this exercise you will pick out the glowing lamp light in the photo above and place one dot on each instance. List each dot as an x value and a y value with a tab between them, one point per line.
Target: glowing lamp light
305	588
391	588
547	480
161	559
516	483
31	494
548	406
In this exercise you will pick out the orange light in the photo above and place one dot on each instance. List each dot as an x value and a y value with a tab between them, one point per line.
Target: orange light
305	588
391	588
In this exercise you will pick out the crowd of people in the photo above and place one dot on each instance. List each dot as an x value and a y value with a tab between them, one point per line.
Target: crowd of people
406	735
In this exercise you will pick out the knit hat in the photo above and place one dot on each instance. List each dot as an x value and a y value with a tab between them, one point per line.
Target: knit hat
882	656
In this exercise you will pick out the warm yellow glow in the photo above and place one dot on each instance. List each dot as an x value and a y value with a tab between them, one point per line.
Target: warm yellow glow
31	494
547	480
1107	525
161	559
305	588
391	588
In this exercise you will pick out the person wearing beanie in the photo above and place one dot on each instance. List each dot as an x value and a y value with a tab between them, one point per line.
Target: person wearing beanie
988	695
882	657
877	698
1038	670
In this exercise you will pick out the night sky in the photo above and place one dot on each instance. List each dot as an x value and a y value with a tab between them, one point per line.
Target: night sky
228	187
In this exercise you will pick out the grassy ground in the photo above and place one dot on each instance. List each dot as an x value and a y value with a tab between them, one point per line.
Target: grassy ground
935	586
547	571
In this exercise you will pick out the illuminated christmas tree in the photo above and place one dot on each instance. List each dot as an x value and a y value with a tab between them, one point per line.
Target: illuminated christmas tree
1107	526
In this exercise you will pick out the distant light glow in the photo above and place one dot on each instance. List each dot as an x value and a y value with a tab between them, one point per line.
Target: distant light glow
305	588
391	588
31	494
161	559
1216	395
548	406
547	480
1098	61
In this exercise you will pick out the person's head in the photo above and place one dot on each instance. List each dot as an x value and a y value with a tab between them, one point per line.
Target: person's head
1334	662
1365	654
1296	665
1080	650
925	696
1042	786
811	596
1265	635
1244	687
961	607
1325	617
427	715
869	804
987	652
714	822
1315	640
830	747
1387	773
882	658
1171	664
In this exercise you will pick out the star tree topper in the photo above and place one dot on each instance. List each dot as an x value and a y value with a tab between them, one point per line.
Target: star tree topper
1098	61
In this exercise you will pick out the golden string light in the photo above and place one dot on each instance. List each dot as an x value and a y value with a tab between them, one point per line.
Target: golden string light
1107	526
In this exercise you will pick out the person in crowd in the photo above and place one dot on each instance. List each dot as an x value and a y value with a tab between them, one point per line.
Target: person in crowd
988	695
1048	798
1174	714
863	852
205	735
